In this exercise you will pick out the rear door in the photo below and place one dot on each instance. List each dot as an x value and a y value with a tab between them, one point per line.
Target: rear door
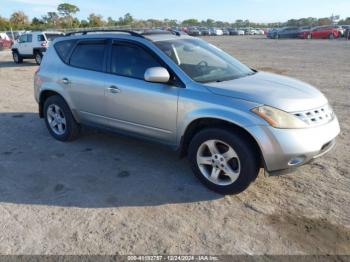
84	80
137	106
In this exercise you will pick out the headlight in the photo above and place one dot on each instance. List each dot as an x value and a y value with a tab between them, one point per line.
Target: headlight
278	118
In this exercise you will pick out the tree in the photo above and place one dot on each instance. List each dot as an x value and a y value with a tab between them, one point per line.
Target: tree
19	20
126	20
67	9
95	20
111	22
84	23
210	22
37	23
4	24
51	19
190	22
324	21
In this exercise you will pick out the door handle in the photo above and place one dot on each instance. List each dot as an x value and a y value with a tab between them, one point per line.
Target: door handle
65	81
114	90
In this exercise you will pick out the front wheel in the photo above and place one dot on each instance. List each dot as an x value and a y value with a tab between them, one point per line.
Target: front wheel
59	119
223	160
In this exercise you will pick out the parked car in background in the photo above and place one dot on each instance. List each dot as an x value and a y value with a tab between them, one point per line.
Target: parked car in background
347	34
32	45
193	31
259	31
228	119
215	31
249	31
346	30
323	32
204	31
5	41
287	32
226	31
272	33
14	35
341	30
233	31
240	32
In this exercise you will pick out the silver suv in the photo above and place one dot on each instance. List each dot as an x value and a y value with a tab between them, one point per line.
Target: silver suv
228	119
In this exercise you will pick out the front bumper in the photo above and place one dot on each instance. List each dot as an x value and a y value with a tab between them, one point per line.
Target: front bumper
285	149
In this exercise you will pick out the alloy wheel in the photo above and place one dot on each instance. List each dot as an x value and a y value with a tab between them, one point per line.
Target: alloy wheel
218	162
56	119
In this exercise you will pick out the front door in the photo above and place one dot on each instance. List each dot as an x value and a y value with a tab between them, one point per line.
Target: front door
134	105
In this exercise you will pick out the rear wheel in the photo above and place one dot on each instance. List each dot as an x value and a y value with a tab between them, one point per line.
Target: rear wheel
38	57
17	57
223	161
59	119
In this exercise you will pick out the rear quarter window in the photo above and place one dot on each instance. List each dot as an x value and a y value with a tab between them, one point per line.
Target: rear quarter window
64	48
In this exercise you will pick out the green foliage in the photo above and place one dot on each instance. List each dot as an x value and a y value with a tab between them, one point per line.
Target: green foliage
19	20
67	9
95	20
4	24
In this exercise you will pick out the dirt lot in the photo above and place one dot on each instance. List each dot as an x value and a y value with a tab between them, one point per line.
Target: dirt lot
114	195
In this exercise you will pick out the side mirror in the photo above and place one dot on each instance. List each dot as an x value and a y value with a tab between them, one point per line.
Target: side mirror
157	75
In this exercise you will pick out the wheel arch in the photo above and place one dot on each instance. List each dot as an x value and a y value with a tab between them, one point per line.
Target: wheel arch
207	122
44	95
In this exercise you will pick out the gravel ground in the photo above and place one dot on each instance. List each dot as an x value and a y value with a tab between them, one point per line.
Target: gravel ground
105	194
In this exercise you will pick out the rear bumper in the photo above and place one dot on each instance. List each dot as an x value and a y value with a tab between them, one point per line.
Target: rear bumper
284	150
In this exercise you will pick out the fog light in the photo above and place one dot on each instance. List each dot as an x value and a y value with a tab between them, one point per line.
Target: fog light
296	161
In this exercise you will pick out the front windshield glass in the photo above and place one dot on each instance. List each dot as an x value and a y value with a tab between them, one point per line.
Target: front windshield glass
202	61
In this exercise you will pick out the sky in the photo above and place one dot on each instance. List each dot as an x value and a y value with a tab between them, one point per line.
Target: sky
223	10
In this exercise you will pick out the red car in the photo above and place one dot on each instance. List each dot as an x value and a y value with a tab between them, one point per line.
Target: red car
5	41
322	32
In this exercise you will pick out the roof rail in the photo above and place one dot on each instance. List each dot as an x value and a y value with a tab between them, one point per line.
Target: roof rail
85	32
161	32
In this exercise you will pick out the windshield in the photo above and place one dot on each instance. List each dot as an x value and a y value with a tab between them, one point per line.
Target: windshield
202	61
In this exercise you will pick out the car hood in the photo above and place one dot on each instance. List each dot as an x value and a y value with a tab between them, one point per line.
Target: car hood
281	92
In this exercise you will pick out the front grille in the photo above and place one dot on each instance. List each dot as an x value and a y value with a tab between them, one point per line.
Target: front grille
318	116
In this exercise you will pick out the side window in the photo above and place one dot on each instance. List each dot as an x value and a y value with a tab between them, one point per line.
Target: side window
131	61
29	38
88	56
41	38
23	39
64	48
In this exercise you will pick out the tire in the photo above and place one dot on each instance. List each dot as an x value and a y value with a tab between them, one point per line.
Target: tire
38	57
56	111
17	57
245	166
